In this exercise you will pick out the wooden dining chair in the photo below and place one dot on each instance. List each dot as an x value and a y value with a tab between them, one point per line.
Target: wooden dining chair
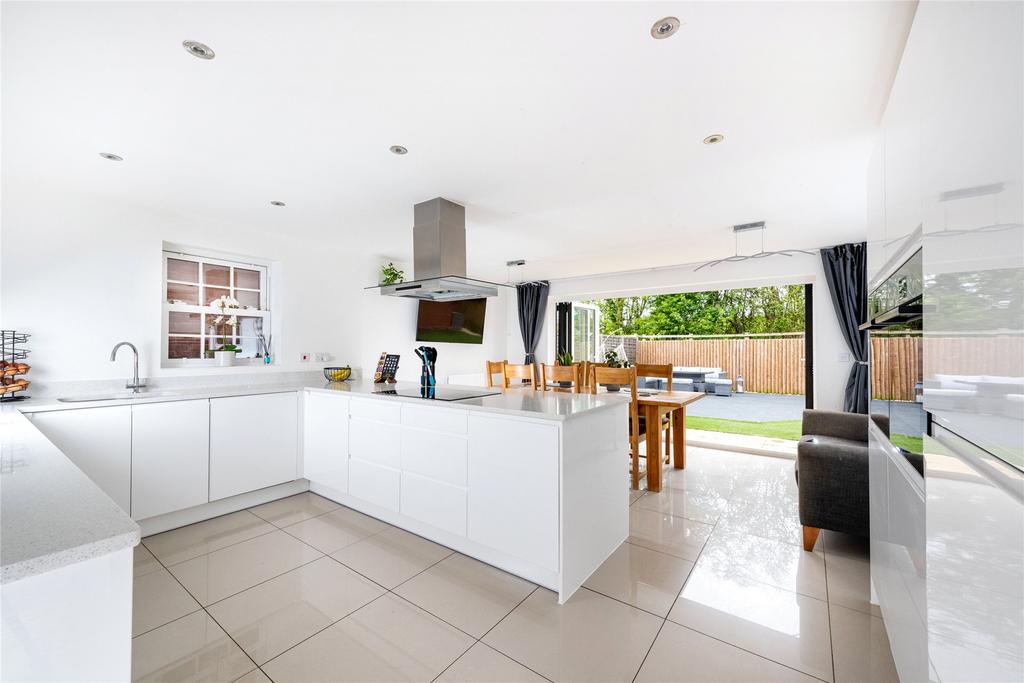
602	374
586	372
494	367
526	372
660	371
560	373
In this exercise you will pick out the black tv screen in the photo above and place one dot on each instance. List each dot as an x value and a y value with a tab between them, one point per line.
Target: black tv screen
457	322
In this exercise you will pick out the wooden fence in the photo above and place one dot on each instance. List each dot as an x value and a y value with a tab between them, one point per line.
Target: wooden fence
773	364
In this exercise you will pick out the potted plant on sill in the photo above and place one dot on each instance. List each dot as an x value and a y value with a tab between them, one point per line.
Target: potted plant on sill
613	361
224	325
564	358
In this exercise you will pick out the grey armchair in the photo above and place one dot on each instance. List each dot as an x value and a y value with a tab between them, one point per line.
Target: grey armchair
832	473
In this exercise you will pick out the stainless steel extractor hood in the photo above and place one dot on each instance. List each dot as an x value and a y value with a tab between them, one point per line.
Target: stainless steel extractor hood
439	257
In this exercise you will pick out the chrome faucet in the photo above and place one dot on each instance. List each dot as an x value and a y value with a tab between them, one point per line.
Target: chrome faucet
134	383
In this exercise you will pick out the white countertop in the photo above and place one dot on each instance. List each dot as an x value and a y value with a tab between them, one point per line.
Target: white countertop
53	515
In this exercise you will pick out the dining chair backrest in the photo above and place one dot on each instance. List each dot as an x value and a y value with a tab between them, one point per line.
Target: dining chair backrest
494	367
560	373
587	370
657	371
526	371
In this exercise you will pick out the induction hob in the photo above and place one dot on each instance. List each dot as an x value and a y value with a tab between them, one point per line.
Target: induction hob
441	393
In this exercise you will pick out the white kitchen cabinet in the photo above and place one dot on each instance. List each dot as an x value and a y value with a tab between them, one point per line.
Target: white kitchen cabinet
513	487
434	502
170	457
253	443
325	440
99	442
376	484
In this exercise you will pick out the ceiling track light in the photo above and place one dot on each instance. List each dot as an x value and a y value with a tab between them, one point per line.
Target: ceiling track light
714	139
111	157
275	202
197	49
663	28
398	149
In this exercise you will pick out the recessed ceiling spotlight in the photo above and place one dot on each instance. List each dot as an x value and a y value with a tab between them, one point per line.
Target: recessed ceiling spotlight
663	28
197	49
398	149
276	203
111	157
714	139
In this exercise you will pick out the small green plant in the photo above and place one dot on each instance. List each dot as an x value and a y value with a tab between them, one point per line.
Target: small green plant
613	360
389	274
563	358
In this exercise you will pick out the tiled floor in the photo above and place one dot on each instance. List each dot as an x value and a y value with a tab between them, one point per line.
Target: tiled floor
712	585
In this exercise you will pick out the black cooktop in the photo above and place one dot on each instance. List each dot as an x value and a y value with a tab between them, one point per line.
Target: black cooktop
441	393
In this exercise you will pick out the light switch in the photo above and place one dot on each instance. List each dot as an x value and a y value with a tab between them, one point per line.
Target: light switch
844	358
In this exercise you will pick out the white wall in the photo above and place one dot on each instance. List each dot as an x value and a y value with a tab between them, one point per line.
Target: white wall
830	373
389	324
82	274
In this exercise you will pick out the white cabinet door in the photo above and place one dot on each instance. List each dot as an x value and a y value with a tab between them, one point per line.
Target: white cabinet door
170	457
325	440
99	442
253	443
513	488
374	483
434	502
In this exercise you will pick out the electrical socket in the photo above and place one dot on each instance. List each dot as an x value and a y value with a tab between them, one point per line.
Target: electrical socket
305	358
322	357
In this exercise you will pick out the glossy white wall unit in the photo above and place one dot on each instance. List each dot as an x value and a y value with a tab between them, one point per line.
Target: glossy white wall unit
70	624
98	441
170	457
253	442
325	439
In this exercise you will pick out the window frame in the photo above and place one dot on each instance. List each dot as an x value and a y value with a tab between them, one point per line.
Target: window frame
202	260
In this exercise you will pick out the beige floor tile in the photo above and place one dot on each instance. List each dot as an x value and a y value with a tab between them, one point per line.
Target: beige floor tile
388	640
193	648
157	598
391	557
773	562
695	506
468	594
667	534
335	530
642	577
777	624
764	515
681	655
849	583
269	618
845	545
287	511
145	562
635	496
211	578
254	676
172	547
860	647
589	638
482	664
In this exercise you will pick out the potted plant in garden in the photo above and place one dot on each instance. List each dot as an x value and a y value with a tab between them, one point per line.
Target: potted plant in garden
389	274
613	361
224	325
564	358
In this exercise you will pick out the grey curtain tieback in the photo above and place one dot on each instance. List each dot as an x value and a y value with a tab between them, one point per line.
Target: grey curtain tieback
861	362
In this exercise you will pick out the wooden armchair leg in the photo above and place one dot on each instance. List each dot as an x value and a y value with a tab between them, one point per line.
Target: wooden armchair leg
810	537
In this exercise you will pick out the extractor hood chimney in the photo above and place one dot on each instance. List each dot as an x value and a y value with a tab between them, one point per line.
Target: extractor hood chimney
439	256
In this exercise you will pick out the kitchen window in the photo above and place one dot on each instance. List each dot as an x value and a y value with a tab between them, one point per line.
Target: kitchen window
194	327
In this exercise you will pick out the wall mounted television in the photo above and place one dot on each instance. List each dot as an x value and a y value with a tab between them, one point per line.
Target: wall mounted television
456	322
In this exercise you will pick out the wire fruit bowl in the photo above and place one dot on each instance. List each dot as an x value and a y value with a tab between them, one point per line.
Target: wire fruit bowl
337	374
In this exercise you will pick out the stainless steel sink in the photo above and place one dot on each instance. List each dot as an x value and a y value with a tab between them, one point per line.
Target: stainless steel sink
117	396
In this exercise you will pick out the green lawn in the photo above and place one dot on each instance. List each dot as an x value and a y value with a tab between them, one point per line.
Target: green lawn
780	429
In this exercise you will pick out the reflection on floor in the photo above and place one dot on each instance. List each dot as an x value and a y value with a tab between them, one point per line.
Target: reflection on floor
712	585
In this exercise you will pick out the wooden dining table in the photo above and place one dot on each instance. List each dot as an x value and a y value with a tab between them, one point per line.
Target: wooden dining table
652	404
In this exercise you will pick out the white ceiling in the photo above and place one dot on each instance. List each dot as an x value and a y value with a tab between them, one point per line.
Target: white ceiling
573	137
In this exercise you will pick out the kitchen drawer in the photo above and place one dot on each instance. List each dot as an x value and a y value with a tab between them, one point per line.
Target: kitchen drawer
435	455
455	421
374	483
434	502
375	441
377	409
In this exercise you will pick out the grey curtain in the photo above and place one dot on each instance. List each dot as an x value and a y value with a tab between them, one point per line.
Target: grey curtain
533	299
847	276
